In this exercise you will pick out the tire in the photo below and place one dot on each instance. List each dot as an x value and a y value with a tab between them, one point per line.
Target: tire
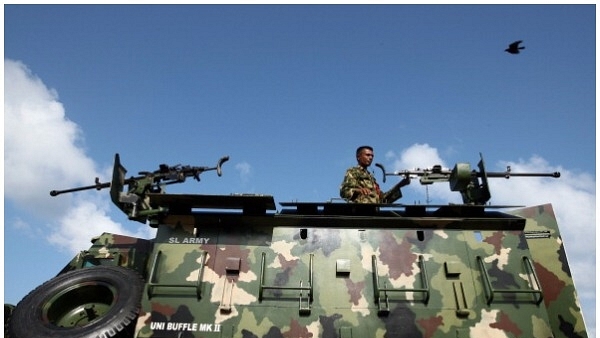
95	302
8	310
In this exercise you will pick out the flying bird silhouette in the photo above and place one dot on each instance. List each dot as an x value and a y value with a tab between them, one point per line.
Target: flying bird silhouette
513	48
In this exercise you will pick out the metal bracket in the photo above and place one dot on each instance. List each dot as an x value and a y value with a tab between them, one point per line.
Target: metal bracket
225	306
304	306
384	309
152	277
86	259
462	310
529	270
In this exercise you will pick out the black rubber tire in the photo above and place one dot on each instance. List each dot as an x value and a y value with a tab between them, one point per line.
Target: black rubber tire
8	310
100	301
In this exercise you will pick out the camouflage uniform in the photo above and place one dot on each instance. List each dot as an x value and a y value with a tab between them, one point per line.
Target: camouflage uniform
359	177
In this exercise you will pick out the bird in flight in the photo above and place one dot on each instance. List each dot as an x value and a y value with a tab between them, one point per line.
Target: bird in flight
513	48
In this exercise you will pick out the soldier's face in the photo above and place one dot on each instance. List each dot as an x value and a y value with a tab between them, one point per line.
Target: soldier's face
365	158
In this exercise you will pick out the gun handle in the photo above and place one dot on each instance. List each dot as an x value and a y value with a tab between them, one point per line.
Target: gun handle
380	166
221	161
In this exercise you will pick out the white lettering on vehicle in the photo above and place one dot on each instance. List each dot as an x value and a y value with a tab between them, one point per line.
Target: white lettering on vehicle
175	326
188	240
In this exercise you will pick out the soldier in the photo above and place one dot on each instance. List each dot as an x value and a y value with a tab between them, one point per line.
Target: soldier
360	186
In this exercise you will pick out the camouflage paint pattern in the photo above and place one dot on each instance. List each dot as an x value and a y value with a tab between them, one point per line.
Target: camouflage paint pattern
113	250
290	275
548	252
358	177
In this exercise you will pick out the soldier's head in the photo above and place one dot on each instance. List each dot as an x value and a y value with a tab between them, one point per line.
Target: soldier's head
364	156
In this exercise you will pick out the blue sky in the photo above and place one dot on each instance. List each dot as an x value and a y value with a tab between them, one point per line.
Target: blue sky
289	92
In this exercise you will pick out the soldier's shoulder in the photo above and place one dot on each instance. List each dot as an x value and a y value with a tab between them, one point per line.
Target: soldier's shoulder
353	170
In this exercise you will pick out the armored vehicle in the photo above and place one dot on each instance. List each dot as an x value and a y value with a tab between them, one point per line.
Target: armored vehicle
239	265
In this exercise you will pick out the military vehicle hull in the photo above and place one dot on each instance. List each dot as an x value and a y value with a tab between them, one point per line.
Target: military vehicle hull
234	266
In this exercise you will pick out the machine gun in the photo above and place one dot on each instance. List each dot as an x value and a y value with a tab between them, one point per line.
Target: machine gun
463	179
135	202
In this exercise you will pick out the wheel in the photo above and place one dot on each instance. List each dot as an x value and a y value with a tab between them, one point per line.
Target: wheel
8	310
100	301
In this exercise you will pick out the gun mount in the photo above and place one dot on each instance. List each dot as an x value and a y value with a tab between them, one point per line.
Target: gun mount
463	179
135	202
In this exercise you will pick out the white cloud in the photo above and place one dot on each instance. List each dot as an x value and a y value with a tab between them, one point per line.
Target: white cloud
416	156
42	150
21	226
40	143
88	217
244	169
421	157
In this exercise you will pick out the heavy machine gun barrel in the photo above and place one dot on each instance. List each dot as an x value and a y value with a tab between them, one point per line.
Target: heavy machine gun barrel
437	172
167	174
507	174
97	186
463	179
135	201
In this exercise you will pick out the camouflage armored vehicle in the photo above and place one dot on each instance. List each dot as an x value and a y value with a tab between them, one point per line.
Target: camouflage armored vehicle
241	266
